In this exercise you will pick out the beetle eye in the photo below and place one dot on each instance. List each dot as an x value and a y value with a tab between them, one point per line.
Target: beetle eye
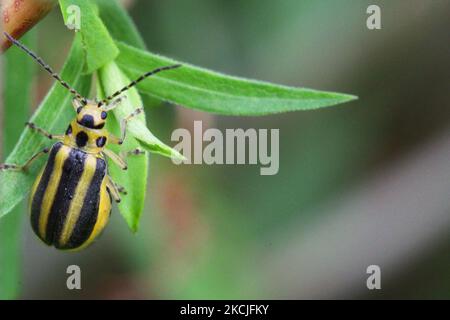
79	109
104	115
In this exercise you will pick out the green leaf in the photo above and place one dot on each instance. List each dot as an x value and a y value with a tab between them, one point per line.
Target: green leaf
134	180
122	28
54	115
119	23
99	47
18	78
205	90
112	79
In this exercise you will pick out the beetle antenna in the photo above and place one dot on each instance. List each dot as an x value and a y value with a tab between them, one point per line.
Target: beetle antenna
135	82
46	67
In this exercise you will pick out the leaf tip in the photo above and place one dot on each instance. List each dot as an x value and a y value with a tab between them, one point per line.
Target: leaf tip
348	97
175	155
134	228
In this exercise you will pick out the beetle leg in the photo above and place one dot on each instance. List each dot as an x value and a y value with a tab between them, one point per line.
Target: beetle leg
135	152
41	131
123	127
116	159
24	167
113	139
114	103
119	188
119	158
112	187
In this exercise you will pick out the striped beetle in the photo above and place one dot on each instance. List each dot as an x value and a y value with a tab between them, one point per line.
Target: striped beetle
70	201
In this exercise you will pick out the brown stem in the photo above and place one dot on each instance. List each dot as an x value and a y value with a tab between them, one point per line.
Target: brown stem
19	16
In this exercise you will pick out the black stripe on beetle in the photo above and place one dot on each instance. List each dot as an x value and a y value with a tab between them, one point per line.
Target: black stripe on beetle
36	202
71	173
89	212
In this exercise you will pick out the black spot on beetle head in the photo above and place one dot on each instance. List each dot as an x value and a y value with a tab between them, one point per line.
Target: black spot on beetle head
81	139
87	121
91	117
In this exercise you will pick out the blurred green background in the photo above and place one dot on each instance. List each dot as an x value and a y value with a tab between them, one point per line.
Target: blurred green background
359	184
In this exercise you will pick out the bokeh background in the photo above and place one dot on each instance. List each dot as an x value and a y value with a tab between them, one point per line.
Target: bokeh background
359	184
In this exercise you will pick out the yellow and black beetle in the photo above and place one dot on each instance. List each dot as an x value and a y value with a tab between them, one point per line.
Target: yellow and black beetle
71	198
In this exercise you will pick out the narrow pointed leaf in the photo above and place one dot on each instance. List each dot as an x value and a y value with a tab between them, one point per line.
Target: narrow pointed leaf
205	90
